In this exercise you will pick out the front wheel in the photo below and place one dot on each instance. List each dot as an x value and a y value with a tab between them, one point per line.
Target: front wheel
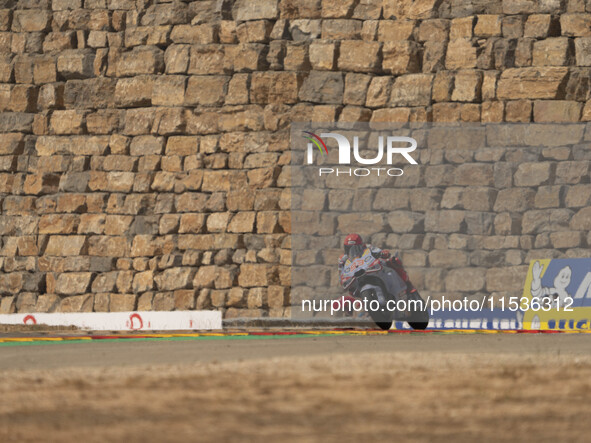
420	317
382	317
384	325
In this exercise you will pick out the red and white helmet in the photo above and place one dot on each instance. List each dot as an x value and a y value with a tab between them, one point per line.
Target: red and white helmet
354	245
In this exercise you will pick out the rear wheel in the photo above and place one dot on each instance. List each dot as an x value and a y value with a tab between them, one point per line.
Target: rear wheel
420	325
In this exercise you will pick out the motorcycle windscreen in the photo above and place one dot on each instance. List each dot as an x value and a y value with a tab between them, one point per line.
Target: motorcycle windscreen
354	251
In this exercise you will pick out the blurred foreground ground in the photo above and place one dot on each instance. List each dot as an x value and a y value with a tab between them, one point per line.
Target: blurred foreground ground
419	387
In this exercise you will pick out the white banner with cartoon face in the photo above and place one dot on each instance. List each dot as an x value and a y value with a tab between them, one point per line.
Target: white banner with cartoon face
558	294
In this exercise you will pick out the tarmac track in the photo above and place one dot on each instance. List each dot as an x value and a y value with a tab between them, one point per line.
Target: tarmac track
207	349
338	387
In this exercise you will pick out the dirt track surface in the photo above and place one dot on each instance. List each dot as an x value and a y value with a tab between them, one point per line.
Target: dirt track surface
395	387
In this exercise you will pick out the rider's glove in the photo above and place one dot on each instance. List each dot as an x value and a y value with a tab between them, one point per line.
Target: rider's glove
385	254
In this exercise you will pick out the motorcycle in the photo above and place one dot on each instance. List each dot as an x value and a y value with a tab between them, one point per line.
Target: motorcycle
380	288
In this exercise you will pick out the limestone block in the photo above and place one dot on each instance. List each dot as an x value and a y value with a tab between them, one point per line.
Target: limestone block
557	51
274	87
70	283
461	54
412	90
359	56
401	57
140	60
76	64
243	10
323	87
175	278
556	111
532	83
466	279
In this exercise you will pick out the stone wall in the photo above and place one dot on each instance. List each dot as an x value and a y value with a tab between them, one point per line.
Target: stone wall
144	146
482	202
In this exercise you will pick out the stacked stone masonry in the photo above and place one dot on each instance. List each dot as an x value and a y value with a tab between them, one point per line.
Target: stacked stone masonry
144	146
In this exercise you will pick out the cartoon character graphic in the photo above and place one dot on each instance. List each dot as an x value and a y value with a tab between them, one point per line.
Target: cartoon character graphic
558	293
562	288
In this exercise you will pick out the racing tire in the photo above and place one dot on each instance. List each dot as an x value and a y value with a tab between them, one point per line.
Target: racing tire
420	318
383	319
384	325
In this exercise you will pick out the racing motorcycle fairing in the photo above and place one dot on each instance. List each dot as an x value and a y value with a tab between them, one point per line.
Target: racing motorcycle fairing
366	263
366	277
354	270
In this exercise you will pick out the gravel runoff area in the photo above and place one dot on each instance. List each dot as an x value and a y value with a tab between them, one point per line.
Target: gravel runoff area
412	387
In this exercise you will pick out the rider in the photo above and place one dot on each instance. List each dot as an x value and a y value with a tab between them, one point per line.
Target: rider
355	247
